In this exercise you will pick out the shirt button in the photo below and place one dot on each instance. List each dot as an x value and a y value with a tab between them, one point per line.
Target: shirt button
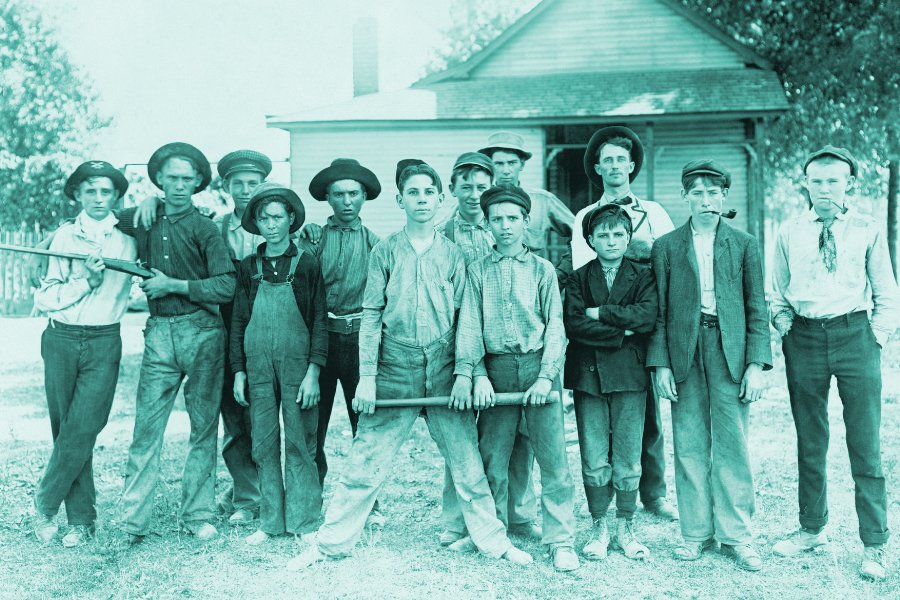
166	256
165	238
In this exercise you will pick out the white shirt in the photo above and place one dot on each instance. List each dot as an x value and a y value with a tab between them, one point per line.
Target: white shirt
649	220
704	242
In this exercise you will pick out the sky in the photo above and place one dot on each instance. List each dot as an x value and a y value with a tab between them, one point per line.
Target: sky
208	72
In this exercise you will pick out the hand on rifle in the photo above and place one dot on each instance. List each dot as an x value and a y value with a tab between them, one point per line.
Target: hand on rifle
94	266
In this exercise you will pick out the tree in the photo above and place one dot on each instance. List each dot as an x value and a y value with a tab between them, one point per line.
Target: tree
474	24
47	115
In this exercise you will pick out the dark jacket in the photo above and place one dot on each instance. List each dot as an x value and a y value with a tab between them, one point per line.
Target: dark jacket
309	292
740	302
600	357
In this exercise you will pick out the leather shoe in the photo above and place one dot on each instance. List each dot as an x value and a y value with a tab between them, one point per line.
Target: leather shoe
692	550
745	556
527	530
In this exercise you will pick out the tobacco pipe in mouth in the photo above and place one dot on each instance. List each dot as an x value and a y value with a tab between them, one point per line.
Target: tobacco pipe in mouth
729	214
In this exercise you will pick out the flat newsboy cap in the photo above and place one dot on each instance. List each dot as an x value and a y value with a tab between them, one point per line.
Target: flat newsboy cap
506	140
839	153
402	165
601	136
474	159
590	219
183	150
344	168
505	192
244	160
95	168
706	166
270	189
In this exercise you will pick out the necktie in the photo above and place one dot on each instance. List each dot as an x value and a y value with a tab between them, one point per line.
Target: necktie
827	248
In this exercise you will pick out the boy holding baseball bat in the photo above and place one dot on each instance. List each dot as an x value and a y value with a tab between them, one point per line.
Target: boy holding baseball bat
511	339
414	288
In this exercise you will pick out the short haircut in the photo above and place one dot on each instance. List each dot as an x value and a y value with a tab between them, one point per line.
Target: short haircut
265	202
423	169
465	171
620	141
183	157
609	216
689	181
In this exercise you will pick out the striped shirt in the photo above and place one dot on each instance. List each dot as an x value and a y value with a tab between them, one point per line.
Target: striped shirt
185	246
511	306
343	253
411	298
65	293
475	241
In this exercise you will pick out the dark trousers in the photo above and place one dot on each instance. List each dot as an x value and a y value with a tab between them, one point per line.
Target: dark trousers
815	351
653	460
81	368
342	365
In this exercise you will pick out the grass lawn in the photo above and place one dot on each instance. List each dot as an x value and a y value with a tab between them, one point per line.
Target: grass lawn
407	561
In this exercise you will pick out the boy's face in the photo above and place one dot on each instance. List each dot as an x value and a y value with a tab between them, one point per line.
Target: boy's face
507	222
420	199
507	166
346	198
468	190
97	195
610	244
178	179
274	222
828	183
240	187
614	165
705	200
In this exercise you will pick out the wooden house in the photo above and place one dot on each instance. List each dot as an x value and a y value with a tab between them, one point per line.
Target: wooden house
559	73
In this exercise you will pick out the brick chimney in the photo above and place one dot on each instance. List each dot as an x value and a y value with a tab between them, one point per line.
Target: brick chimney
365	56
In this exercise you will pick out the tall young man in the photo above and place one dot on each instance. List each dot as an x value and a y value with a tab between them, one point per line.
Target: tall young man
612	161
184	338
81	347
835	304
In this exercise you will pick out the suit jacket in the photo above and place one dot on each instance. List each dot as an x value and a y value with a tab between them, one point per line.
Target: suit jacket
600	357
740	301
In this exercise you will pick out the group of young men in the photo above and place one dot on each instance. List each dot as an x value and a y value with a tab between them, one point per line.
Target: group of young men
264	317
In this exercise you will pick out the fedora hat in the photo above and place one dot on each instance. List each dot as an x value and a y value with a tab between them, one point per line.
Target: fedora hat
506	140
269	190
598	139
344	168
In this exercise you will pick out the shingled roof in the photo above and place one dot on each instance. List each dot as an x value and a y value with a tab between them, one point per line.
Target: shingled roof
562	97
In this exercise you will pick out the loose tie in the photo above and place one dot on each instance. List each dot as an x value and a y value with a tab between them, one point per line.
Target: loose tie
827	248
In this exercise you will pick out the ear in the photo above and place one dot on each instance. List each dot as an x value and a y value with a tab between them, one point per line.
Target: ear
725	193
630	167
590	242
440	200
850	181
399	200
597	168
526	218
684	195
292	218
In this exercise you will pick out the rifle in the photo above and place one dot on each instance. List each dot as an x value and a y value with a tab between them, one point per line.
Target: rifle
502	398
113	264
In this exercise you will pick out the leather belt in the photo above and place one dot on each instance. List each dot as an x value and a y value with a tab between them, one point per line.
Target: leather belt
708	320
343	325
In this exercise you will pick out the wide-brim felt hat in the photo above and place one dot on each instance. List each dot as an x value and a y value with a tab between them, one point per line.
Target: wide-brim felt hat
602	135
508	141
95	168
180	149
244	161
344	168
270	189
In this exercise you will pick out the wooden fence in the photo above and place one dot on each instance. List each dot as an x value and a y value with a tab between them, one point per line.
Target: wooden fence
16	293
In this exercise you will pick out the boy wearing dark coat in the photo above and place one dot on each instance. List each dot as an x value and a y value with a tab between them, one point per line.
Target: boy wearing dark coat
610	309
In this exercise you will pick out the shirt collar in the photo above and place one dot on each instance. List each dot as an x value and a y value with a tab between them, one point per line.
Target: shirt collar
332	222
161	212
465	225
235	222
496	256
290	252
813	216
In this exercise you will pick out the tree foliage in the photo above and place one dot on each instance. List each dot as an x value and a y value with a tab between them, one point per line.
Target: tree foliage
837	60
473	25
47	113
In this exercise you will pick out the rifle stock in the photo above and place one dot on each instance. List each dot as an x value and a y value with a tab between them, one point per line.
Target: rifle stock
113	264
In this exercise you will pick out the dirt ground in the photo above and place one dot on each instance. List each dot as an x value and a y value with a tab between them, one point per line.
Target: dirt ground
407	561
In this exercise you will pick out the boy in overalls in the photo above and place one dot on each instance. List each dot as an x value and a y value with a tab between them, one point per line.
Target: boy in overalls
279	343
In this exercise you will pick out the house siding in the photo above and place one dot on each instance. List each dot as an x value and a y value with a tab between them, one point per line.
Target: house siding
582	36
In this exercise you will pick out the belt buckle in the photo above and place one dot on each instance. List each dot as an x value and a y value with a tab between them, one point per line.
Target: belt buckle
348	326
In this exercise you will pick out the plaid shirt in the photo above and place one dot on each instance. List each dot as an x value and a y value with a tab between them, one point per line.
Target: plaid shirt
184	246
409	297
511	306
343	253
475	241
